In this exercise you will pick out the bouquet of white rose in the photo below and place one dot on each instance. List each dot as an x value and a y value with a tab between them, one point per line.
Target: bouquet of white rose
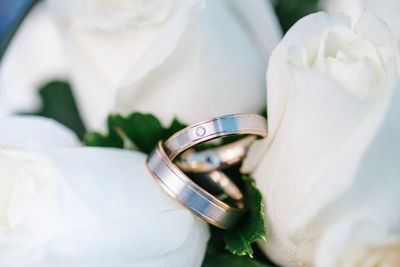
321	188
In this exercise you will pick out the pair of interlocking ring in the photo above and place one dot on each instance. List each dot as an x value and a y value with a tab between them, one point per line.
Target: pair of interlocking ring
171	175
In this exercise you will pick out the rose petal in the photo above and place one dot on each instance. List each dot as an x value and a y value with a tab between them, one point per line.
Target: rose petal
33	130
34	56
278	72
201	67
301	150
364	171
323	162
264	29
100	207
279	77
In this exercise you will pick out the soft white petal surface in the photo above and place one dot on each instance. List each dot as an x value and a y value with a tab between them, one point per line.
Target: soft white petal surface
279	80
34	130
328	178
201	61
385	9
81	206
371	197
203	68
34	56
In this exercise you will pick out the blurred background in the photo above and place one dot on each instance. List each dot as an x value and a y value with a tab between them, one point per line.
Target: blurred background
57	100
13	12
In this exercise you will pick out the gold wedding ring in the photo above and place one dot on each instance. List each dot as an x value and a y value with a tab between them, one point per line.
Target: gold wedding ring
172	179
216	158
218	127
196	199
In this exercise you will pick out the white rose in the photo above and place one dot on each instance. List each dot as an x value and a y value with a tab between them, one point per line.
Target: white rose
65	205
388	10
34	56
172	58
329	170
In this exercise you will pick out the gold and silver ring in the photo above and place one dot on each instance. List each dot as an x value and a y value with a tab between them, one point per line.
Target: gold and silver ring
173	179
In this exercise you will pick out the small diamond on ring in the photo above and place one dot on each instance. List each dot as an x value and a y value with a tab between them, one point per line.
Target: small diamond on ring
200	131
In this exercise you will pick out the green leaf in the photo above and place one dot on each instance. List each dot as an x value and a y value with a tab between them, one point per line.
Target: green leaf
174	127
252	226
110	140
290	11
137	131
218	260
143	130
58	103
217	255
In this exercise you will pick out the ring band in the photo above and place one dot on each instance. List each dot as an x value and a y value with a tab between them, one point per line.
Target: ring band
195	198
224	183
213	128
215	158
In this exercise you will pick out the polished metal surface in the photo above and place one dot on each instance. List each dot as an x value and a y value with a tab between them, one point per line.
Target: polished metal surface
216	158
195	198
214	128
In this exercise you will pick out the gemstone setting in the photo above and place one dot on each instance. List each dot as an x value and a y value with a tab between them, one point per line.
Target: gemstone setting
200	131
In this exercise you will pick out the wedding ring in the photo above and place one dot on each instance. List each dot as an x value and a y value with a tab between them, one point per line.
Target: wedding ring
199	201
215	158
214	128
